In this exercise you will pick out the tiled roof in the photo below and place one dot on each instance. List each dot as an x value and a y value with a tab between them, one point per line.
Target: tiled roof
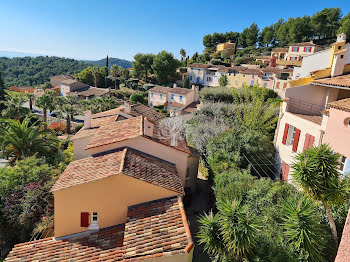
116	132
63	77
157	228
191	107
305	44
197	65
251	71
153	229
343	80
140	109
312	118
343	104
343	254
280	50
125	161
68	81
179	90
112	112
175	104
263	57
21	87
95	124
160	89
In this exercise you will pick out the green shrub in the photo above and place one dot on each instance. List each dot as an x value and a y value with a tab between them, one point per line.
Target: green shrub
137	98
216	94
78	127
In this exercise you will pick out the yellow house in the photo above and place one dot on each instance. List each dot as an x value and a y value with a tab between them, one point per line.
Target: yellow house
227	46
239	76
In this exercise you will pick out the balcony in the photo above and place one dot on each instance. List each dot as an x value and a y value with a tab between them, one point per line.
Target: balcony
289	63
298	106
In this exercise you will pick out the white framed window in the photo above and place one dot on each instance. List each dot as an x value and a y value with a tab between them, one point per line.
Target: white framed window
151	94
180	98
161	96
291	135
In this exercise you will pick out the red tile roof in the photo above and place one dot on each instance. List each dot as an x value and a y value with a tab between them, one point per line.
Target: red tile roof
140	109
284	50
160	89
305	44
343	105
125	161
95	124
197	65
116	132
343	254
343	80
153	229
179	90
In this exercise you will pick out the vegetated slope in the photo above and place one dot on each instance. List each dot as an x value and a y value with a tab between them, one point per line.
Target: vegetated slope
111	61
34	71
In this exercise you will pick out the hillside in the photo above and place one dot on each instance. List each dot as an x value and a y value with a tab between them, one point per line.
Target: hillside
36	70
111	61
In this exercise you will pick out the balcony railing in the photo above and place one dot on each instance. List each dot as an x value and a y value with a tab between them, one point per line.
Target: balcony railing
298	106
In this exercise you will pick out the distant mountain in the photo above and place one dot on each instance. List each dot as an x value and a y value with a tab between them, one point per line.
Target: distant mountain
16	54
111	61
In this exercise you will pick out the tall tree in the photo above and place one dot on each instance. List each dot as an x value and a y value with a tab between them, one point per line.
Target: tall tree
345	25
315	171
31	98
14	108
164	66
252	35
115	72
2	92
183	53
46	102
142	65
300	30
326	22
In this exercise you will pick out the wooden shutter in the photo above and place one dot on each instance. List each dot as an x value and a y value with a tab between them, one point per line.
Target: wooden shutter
277	85
306	143
297	49
84	219
284	85
311	141
305	48
286	127
285	171
296	139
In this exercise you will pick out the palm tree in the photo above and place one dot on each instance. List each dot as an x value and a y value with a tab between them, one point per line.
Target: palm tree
31	98
46	102
95	74
302	226
14	105
19	140
231	234
316	172
69	108
115	71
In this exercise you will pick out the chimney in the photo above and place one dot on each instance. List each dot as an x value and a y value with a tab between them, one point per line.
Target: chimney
174	86
87	119
341	37
127	106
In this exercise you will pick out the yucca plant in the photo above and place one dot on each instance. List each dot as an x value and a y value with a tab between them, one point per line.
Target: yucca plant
303	228
316	172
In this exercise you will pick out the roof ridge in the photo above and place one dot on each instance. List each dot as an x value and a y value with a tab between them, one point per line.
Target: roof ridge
151	202
123	159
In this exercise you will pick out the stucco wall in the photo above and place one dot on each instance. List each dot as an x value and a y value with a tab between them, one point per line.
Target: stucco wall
239	79
156	98
337	132
109	197
285	151
176	98
153	148
196	72
313	62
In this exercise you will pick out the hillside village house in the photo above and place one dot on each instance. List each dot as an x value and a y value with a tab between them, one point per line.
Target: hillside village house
176	100
122	200
71	85
316	112
279	53
228	47
56	80
22	89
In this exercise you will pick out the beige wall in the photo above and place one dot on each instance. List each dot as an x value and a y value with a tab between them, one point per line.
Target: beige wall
338	132
187	257
153	148
196	72
109	197
157	98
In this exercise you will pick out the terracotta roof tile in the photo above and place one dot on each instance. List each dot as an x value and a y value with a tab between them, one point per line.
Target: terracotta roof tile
197	65
285	50
160	89
121	161
153	229
140	109
305	44
179	90
116	132
95	124
343	80
343	104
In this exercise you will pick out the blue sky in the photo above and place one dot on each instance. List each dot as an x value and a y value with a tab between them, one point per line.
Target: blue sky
89	29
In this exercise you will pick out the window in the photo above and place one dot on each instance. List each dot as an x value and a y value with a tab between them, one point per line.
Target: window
252	76
291	136
209	79
295	49
172	96
342	161
236	82
190	77
151	94
339	47
341	56
161	96
180	98
243	75
252	83
94	217
191	68
307	49
265	84
199	70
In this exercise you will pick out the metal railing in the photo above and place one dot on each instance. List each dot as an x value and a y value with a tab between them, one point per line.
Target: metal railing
298	106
